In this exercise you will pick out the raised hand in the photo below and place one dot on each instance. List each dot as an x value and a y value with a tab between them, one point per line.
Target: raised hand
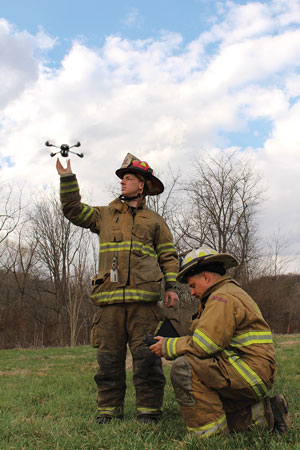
60	168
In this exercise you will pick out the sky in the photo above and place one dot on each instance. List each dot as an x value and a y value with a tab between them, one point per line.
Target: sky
166	80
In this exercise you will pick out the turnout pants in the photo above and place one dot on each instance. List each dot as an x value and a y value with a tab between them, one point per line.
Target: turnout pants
114	327
215	398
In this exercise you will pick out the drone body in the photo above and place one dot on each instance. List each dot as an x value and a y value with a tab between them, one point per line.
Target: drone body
64	149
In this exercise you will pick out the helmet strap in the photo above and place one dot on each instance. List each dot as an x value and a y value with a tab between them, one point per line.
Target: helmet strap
128	199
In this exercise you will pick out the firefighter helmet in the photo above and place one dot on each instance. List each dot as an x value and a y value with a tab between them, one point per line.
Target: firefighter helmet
131	164
205	258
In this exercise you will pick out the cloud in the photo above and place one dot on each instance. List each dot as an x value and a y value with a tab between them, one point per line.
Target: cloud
160	99
19	67
132	17
252	20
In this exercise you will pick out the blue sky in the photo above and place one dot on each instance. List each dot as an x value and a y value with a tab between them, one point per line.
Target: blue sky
164	79
96	19
93	20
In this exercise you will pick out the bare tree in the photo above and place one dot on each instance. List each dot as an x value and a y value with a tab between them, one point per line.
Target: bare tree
165	203
225	193
169	204
19	263
21	258
276	255
62	250
10	212
78	287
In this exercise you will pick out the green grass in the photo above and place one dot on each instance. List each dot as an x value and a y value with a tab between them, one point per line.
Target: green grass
48	401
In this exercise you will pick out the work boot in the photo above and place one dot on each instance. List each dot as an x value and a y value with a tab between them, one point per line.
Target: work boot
149	418
282	417
103	419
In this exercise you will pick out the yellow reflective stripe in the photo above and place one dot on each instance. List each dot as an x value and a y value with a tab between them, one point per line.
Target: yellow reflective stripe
110	410
247	373
146	249
114	246
125	294
86	212
211	428
68	186
170	276
163	248
139	294
145	410
252	337
127	246
205	342
171	347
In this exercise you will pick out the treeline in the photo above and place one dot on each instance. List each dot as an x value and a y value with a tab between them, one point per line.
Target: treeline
279	299
34	318
46	263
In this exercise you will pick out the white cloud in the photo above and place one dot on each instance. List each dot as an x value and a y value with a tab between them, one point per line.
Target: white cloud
131	17
160	99
263	102
44	41
19	66
285	140
293	85
252	20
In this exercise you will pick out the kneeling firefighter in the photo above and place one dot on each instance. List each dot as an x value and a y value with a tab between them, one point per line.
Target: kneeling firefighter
136	254
223	371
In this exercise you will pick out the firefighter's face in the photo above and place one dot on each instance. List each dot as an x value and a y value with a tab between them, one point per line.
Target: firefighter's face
198	284
131	185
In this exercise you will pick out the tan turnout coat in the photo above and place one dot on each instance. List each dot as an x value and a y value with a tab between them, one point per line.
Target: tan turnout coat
141	242
231	328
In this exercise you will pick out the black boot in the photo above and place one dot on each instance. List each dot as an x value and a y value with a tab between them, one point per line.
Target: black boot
280	409
149	418
103	419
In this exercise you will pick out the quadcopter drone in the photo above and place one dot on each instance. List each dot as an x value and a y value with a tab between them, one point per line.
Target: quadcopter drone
64	149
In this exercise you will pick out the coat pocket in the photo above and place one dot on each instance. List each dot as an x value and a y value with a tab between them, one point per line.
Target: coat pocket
99	280
146	270
95	329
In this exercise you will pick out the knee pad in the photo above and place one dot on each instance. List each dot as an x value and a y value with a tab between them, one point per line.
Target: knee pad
181	378
110	367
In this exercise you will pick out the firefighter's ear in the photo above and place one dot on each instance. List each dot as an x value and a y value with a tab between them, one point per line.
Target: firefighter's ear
141	186
206	276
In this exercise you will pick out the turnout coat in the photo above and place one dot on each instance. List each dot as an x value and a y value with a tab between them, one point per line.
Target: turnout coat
231	329
139	242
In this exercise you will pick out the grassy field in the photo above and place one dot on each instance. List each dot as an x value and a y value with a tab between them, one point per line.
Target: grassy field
47	401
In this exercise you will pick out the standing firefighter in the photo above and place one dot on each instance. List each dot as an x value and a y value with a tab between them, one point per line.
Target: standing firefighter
136	253
222	373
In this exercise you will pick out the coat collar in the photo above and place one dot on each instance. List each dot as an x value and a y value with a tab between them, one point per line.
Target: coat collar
223	280
123	206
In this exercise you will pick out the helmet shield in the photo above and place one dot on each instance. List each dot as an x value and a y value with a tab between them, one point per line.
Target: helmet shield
205	258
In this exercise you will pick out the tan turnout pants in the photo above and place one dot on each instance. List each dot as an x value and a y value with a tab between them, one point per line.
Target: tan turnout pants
214	398
114	327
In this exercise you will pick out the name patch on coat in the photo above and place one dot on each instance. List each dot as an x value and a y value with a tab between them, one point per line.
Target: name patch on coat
219	299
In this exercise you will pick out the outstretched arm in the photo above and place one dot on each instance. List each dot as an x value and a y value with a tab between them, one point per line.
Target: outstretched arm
74	210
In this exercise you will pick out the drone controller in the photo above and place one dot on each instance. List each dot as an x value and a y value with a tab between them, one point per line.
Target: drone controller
150	339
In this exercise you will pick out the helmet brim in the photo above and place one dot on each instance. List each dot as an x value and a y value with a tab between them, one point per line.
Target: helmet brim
156	185
193	267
